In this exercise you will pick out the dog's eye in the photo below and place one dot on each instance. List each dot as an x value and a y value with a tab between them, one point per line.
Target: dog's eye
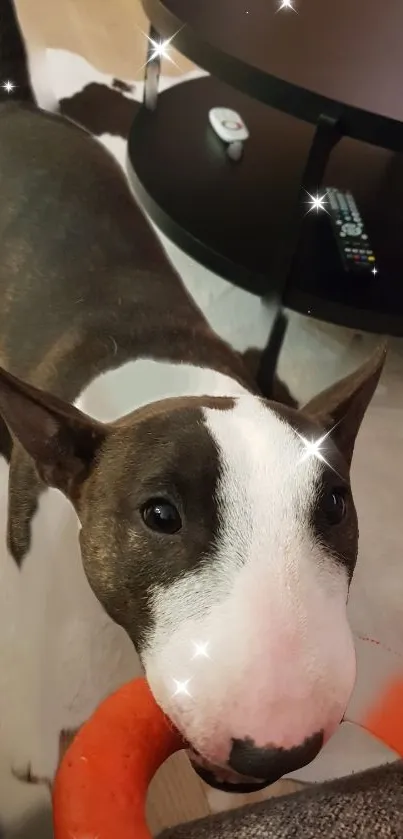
162	516
334	506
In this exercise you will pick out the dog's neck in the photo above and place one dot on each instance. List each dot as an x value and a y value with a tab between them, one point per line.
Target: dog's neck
137	383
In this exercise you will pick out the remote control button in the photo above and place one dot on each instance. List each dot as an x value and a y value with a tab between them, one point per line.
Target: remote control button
364	236
352	229
371	259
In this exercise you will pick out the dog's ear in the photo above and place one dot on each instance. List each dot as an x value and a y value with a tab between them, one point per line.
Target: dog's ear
62	441
342	406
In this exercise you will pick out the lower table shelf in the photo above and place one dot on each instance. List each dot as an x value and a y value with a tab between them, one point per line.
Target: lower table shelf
232	216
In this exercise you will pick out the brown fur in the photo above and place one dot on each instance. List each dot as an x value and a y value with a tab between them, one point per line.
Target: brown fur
93	292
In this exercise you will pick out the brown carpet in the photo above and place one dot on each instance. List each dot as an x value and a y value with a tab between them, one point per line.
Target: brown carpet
365	806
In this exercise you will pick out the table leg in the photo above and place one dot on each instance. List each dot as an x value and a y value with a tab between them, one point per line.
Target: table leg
152	71
327	135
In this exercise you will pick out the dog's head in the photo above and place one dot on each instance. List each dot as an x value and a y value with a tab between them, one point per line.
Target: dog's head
221	534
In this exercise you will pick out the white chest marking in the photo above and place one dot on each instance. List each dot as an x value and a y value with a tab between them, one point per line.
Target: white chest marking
138	383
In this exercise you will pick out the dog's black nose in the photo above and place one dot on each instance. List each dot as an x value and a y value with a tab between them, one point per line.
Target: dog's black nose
269	763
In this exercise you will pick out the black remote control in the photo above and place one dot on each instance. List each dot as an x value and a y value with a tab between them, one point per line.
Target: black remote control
349	230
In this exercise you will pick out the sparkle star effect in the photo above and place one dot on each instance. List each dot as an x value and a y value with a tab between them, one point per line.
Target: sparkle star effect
313	448
201	649
160	49
8	86
182	688
286	4
317	202
374	271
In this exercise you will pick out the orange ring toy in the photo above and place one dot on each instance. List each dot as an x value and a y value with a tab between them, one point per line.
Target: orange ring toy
101	786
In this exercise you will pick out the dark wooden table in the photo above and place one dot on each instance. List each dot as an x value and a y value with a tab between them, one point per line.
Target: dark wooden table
341	57
319	89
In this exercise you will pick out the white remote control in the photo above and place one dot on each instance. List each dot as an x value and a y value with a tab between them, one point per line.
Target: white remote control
229	127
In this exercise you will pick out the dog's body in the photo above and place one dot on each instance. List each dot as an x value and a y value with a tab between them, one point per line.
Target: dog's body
141	329
209	532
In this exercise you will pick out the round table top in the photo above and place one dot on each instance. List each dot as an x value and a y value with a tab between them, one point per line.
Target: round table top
343	58
233	217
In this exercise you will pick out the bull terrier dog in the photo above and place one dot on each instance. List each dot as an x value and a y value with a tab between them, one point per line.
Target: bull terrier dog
158	515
